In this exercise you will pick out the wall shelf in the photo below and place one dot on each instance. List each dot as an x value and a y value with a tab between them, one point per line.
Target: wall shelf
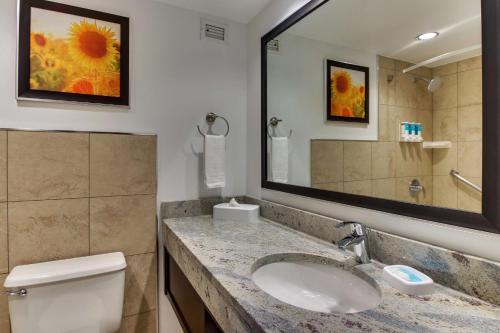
437	144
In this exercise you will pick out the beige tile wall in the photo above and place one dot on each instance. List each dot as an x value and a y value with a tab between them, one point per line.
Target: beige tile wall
65	195
383	168
457	117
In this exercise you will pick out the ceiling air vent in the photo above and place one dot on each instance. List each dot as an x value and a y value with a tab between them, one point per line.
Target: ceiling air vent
273	45
213	30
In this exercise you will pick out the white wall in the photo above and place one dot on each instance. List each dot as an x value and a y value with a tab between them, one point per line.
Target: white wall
176	79
478	243
296	94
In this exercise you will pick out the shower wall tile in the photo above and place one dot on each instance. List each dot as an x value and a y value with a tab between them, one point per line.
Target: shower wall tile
327	158
446	96
4	258
388	129
122	164
47	230
407	159
126	223
388	63
140	284
336	187
383	160
445	69
444	160
470	87
387	86
3	166
357	160
468	198
470	64
384	188
445	192
360	187
470	123
425	117
61	170
464	129
470	158
406	92
425	161
445	122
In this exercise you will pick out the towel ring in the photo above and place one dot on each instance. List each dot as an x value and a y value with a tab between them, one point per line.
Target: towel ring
210	118
273	122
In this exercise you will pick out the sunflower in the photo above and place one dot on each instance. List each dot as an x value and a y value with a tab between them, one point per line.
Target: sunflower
38	42
92	45
341	85
81	86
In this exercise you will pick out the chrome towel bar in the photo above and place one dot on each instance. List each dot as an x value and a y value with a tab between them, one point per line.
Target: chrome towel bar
211	118
273	122
457	175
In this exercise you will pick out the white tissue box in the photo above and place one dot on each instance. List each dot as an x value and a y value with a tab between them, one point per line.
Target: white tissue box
243	213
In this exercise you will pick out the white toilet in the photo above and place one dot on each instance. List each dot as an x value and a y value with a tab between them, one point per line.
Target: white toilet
81	295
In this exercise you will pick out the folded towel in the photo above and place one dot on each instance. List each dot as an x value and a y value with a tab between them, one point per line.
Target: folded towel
279	159
215	159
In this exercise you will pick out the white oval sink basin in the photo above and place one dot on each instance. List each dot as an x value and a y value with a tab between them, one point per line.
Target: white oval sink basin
317	287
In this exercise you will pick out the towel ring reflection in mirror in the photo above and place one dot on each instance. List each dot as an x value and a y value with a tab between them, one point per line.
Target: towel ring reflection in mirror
274	122
210	118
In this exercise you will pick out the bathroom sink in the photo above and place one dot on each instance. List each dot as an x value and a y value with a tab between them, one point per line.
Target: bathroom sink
316	286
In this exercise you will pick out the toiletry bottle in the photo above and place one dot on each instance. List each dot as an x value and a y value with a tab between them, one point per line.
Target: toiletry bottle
419	132
413	132
407	132
402	131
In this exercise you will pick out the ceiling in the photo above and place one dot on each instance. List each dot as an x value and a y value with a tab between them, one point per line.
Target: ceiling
389	27
242	11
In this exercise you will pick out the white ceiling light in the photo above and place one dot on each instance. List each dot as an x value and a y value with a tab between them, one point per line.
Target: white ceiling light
428	35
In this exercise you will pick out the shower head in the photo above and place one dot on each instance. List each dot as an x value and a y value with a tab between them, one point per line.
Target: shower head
432	84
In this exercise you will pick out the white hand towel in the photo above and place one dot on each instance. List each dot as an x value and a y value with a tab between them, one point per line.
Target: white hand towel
215	160
279	159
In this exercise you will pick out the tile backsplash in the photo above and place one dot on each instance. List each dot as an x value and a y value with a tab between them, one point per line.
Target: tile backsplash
71	194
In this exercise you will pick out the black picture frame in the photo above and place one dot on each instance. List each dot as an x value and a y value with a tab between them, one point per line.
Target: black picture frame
23	62
366	71
489	218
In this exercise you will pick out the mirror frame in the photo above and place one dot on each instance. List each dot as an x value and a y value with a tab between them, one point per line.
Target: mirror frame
489	219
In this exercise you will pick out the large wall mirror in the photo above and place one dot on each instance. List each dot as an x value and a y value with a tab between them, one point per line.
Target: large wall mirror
388	105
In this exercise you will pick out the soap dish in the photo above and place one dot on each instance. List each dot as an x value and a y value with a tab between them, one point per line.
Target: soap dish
242	212
408	280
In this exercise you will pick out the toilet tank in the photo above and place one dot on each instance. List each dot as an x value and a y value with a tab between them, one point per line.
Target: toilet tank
80	295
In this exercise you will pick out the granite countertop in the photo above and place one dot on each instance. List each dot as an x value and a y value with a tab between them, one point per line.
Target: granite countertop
223	253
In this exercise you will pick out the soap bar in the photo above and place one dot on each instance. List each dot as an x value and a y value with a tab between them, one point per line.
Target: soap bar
408	280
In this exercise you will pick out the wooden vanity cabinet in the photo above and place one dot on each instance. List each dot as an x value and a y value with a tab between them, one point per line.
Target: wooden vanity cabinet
189	308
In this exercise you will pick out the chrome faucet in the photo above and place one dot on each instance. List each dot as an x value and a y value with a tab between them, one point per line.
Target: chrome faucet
358	239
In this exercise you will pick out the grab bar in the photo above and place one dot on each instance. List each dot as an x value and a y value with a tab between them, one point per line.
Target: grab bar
457	175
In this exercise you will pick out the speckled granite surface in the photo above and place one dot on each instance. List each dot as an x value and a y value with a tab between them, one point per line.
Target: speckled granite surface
475	276
217	258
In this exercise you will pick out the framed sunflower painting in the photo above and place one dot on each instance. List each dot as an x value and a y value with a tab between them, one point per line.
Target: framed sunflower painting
347	91
67	53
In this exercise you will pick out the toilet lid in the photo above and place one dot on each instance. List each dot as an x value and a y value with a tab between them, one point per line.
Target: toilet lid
67	269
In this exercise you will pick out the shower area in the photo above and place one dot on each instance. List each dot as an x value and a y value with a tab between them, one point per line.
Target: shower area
447	101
